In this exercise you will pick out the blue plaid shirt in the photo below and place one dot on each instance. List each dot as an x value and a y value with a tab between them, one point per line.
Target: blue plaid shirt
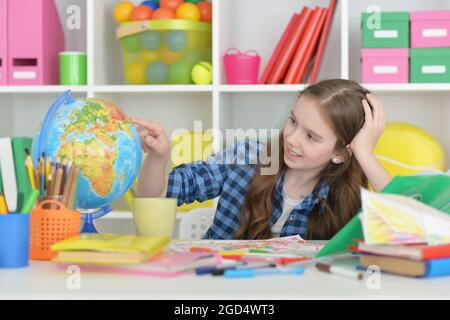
228	174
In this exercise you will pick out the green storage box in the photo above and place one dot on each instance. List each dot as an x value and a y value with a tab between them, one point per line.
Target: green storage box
430	65
392	33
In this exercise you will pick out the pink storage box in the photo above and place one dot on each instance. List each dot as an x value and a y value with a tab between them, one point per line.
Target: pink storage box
385	65
35	39
3	42
430	29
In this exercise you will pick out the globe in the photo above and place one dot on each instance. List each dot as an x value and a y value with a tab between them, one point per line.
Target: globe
99	138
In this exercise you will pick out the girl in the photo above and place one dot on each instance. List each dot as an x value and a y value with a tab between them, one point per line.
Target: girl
325	156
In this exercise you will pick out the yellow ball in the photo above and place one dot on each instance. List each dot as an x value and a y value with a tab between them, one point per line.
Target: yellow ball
169	56
135	73
404	149
122	11
149	56
202	73
188	11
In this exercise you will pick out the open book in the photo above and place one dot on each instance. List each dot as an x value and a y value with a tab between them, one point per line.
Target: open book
396	219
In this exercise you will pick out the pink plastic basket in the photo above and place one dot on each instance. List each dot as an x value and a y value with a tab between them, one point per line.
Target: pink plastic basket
241	68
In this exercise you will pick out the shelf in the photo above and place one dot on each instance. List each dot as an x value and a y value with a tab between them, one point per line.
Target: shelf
129	215
410	87
42	89
152	88
262	88
406	87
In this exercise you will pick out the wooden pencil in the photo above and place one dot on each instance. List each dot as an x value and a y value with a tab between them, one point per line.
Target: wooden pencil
64	172
73	190
58	182
48	192
67	186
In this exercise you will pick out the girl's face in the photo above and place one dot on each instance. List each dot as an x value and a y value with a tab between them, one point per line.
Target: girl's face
309	141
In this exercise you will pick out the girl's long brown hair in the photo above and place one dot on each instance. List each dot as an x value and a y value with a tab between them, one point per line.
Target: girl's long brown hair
341	104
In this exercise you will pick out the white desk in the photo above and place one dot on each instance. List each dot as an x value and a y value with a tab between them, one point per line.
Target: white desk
42	280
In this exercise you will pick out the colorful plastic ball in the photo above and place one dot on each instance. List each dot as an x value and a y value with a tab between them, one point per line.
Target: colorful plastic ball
177	40
141	13
170	4
151	4
180	72
135	73
188	11
205	11
122	11
163	14
169	56
192	1
131	43
202	73
157	72
149	56
151	40
193	56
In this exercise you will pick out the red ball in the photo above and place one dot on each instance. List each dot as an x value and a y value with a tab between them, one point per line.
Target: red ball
141	13
170	4
205	11
163	14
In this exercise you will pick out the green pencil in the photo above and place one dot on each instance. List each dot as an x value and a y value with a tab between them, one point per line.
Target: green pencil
30	201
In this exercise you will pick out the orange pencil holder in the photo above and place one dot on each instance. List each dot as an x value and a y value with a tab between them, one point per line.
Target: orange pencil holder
51	222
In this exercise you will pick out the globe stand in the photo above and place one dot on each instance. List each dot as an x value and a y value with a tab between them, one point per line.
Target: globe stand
90	216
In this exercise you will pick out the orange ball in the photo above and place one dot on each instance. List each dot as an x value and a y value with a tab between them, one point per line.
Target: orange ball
122	11
141	13
170	4
205	10
163	14
188	11
170	57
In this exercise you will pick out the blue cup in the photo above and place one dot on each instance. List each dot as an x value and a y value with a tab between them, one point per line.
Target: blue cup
14	240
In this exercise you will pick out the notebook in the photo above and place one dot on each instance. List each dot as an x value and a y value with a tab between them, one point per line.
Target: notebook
108	249
406	267
165	264
419	253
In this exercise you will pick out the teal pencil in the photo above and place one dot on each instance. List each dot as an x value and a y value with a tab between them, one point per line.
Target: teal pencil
30	201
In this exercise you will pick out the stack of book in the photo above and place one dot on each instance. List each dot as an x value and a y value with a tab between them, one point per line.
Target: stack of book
414	261
299	52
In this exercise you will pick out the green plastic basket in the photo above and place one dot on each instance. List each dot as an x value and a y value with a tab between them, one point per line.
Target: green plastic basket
163	51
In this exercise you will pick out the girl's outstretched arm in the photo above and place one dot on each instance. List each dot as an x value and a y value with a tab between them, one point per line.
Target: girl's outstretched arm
152	178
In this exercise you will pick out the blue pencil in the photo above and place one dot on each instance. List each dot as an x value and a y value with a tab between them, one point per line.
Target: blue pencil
250	273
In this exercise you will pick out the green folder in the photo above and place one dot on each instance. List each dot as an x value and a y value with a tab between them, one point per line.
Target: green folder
433	190
23	181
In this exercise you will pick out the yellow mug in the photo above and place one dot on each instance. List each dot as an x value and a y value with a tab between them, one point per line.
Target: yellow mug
154	216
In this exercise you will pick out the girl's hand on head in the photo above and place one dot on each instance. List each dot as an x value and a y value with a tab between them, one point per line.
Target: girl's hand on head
153	138
375	119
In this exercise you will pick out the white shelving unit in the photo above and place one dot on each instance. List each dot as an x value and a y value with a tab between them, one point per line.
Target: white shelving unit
244	24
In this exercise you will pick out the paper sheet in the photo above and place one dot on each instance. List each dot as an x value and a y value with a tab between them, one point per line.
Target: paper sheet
283	247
